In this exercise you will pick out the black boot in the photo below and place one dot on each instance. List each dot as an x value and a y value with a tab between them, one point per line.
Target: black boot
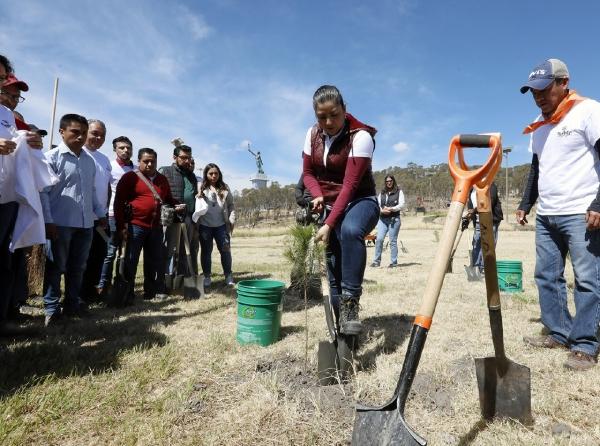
349	321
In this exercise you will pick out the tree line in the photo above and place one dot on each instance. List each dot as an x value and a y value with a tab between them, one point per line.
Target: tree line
424	187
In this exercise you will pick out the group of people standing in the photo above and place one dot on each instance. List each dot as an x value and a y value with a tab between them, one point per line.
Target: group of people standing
86	207
79	188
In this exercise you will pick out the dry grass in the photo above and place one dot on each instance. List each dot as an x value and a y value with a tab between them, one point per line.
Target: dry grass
171	372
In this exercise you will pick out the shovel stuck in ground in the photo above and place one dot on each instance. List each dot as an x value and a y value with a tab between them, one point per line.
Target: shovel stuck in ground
193	284
385	425
504	385
174	280
402	248
335	356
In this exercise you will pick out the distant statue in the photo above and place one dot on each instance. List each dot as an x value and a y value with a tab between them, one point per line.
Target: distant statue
258	159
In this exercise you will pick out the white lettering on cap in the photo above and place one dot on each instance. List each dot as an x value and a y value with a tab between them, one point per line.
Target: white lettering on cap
537	73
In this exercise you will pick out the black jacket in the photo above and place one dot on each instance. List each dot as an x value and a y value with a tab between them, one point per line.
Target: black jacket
497	214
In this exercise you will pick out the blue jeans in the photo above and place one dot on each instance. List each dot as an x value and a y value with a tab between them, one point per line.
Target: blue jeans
476	253
70	251
151	240
555	235
390	226
346	252
221	236
111	254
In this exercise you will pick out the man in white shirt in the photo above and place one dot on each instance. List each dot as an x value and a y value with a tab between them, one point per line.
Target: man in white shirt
119	166
9	207
95	139
565	179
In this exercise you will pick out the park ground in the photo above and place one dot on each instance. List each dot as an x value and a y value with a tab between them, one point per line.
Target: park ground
172	373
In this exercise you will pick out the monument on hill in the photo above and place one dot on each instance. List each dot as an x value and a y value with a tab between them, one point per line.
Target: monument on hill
259	179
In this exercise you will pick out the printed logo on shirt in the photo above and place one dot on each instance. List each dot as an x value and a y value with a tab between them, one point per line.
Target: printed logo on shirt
5	123
564	132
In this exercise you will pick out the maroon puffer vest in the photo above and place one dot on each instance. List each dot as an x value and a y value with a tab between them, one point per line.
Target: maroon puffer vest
331	177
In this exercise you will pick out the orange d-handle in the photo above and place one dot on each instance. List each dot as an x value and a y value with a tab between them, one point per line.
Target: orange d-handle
463	177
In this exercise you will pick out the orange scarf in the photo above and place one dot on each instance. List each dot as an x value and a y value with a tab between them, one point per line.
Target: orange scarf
563	108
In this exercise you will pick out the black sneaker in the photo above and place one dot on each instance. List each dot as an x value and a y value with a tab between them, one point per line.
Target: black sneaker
375	265
349	321
392	265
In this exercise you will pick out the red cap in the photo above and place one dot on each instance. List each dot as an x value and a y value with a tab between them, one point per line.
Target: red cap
11	79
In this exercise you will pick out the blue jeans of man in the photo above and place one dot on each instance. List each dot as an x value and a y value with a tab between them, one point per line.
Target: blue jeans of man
69	253
477	253
221	236
8	216
111	254
555	236
391	227
346	252
151	240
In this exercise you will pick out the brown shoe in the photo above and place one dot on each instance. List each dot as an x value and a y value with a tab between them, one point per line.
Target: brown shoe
580	361
543	341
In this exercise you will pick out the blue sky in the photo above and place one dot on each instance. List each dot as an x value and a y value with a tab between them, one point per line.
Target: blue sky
221	73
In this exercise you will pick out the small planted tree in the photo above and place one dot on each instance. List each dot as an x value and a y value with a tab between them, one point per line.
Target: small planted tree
306	258
305	276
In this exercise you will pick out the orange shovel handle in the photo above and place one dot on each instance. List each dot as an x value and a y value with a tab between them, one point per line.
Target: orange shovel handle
464	177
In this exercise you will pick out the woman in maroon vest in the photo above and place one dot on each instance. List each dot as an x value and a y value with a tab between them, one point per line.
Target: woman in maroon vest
337	172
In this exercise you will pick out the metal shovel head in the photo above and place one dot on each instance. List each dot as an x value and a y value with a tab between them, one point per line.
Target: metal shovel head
193	287
504	389
383	425
473	274
326	363
178	282
120	288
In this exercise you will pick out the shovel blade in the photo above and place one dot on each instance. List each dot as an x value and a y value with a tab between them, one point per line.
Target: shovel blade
327	363
473	274
383	425
504	389
193	287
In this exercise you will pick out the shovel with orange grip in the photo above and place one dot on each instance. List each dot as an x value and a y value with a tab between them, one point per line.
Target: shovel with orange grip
385	425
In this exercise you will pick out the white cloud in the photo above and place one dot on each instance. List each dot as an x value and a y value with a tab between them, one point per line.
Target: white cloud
401	147
195	23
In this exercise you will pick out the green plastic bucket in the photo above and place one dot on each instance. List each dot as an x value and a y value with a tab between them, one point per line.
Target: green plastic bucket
510	275
259	311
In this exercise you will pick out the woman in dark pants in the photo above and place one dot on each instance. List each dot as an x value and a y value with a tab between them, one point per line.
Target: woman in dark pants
337	172
216	217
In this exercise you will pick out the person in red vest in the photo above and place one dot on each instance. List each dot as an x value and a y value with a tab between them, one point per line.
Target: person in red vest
337	172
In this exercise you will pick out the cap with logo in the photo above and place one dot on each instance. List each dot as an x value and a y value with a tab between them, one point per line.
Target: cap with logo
544	74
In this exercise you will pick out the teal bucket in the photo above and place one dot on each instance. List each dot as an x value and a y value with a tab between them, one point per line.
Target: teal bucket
510	275
259	311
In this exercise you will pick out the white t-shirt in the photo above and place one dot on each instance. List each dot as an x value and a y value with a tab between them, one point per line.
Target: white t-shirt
103	176
569	165
116	173
7	162
362	145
